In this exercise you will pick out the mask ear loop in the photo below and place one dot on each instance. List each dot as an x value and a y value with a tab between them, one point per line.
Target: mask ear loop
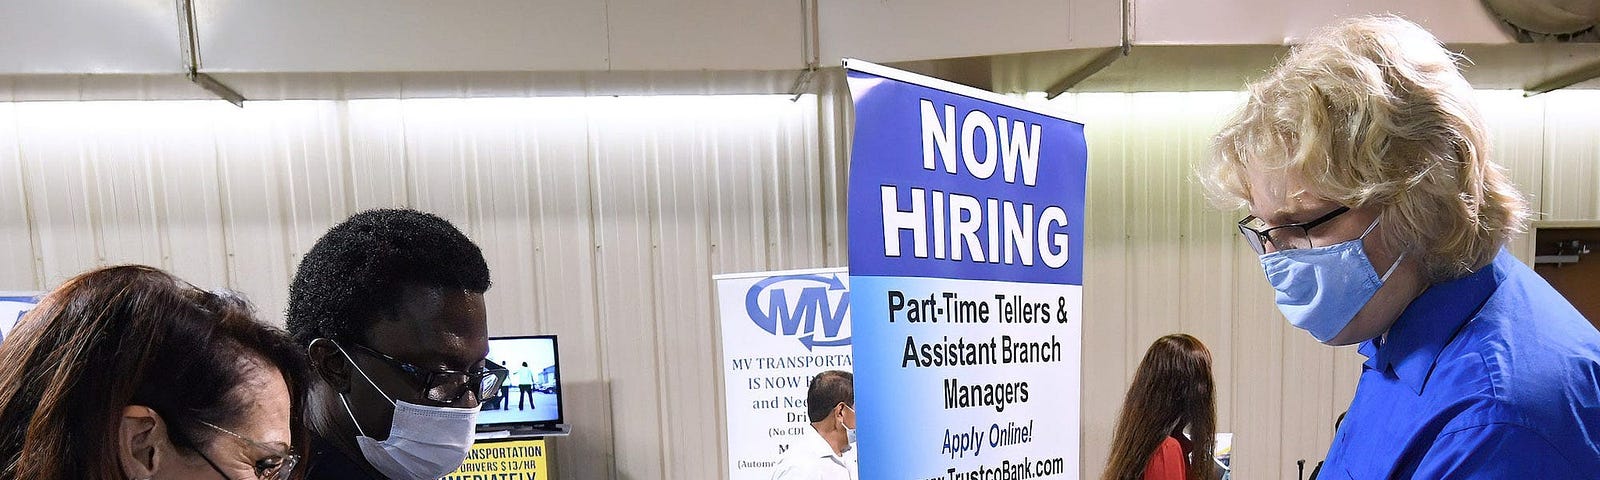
1396	264
1392	268
841	416
1369	228
363	373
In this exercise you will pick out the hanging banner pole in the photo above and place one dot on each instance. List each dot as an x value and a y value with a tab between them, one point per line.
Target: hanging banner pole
966	271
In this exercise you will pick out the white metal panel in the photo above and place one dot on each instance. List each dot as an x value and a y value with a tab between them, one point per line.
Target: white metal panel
1516	142
902	30
1270	22
17	232
39	87
89	36
401	35
1572	155
603	219
626	290
705	35
63	185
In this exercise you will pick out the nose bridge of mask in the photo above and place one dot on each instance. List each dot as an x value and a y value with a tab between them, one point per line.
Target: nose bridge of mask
425	421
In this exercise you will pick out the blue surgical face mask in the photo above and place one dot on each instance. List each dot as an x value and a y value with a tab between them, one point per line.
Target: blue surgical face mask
1321	289
849	433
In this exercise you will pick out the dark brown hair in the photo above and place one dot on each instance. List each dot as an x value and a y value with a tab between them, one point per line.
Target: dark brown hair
120	336
1173	389
827	390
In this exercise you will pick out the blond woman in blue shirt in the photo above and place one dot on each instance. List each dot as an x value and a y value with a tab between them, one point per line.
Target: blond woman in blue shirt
1380	221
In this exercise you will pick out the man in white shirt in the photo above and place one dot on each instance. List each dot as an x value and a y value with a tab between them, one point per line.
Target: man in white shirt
819	454
523	377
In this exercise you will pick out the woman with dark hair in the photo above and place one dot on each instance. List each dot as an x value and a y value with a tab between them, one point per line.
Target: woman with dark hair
131	373
1171	393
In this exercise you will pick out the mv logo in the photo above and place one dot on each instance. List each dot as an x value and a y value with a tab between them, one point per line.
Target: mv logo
815	316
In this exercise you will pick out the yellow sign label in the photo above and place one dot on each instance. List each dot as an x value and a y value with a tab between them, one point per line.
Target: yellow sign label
509	460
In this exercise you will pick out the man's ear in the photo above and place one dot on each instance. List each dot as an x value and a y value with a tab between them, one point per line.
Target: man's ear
330	364
140	436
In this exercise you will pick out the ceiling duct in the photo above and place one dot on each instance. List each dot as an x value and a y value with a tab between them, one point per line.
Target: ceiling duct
1549	20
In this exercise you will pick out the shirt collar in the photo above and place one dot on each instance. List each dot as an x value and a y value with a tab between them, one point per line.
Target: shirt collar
818	446
1414	342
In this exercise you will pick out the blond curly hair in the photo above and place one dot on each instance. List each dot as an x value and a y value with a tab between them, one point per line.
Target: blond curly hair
1373	111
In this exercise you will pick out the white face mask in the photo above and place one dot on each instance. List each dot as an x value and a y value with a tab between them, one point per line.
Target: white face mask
849	433
424	442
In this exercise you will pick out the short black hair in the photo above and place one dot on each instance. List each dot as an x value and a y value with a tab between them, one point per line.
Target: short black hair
353	274
829	389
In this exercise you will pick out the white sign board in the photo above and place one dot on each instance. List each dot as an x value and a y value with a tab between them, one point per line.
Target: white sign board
779	329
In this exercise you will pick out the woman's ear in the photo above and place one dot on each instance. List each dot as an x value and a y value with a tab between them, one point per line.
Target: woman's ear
330	364
140	437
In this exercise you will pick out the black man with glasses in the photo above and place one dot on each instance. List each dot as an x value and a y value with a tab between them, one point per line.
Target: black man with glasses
389	306
1379	220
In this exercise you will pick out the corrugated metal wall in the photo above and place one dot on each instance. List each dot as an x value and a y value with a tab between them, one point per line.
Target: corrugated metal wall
604	218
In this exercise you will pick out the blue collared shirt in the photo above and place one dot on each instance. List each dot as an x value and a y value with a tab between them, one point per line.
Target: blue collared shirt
1493	375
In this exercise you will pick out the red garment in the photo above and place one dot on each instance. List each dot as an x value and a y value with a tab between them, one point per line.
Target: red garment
1168	463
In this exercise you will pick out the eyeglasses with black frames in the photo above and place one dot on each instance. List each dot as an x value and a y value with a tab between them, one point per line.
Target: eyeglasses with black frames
1282	237
446	386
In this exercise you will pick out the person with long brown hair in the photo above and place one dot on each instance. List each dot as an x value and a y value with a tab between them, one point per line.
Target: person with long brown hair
131	373
1172	393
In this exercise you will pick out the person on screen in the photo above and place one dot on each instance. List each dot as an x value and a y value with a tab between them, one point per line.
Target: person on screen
505	388
499	402
819	454
389	307
131	373
1172	392
524	380
1379	219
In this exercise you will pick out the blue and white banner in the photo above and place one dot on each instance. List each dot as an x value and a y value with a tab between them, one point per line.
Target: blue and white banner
12	306
966	270
779	329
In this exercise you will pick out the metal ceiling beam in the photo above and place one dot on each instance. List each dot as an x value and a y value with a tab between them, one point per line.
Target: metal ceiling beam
1073	78
1564	80
1101	61
813	48
190	41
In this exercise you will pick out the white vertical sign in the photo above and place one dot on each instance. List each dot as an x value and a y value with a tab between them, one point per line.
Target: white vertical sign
966	260
779	329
